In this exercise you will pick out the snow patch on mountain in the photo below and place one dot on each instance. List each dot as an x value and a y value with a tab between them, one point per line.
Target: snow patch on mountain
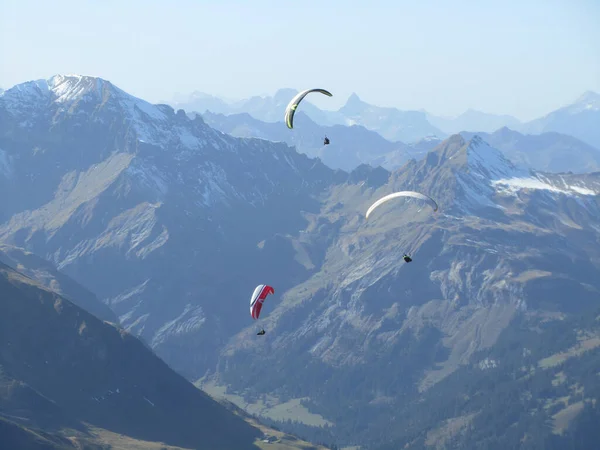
151	122
149	177
539	182
211	179
191	318
484	164
134	230
71	88
125	296
489	173
487	162
25	94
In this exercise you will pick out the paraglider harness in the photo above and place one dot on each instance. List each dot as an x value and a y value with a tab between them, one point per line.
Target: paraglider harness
326	141
261	332
407	258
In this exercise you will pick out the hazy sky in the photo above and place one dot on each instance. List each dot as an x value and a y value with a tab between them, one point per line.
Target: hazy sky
520	57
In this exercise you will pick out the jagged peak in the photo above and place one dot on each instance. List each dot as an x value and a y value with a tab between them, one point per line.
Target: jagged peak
505	131
588	96
373	176
68	88
475	153
589	101
486	160
353	101
63	88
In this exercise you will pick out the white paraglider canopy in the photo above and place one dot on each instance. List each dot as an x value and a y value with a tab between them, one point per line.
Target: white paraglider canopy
413	194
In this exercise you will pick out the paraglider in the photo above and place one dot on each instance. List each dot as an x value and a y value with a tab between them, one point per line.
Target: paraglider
389	197
290	110
256	301
412	194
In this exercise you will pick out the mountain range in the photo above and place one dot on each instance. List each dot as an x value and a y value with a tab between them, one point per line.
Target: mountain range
390	123
350	146
549	151
579	119
353	146
172	224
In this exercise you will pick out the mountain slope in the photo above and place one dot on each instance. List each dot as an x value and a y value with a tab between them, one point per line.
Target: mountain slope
579	119
367	323
349	147
44	273
157	214
536	388
173	224
62	367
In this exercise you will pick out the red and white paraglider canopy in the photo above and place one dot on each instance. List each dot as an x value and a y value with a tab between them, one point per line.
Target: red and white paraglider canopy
258	298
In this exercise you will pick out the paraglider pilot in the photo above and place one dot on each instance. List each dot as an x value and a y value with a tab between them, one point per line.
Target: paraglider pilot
407	258
326	141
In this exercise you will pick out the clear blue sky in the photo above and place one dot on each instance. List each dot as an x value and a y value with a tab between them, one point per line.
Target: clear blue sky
520	57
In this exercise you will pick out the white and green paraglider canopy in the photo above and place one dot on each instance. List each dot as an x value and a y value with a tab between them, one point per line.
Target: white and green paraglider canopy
290	110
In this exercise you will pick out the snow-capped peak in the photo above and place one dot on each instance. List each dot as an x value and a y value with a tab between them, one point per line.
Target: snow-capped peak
589	101
486	161
67	88
353	102
25	92
489	173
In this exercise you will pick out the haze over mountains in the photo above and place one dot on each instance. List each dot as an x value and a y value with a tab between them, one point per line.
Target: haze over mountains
579	119
488	339
366	134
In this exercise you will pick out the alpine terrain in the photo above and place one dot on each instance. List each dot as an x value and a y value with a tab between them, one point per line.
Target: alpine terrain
157	214
510	249
579	119
391	123
551	152
172	224
71	381
350	146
